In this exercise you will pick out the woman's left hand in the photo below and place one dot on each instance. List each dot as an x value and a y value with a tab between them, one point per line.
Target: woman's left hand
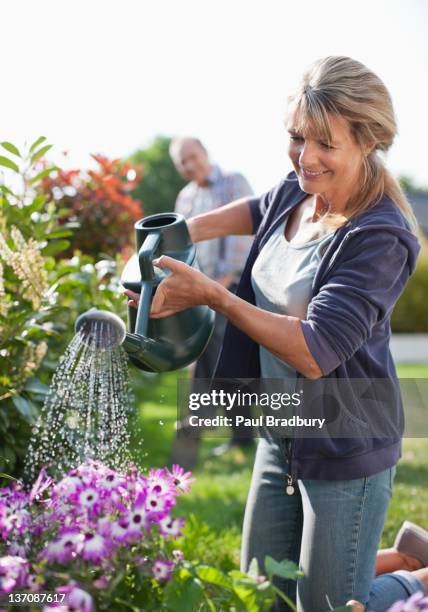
185	287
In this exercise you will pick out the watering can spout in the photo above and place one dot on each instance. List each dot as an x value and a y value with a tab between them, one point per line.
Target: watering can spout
147	354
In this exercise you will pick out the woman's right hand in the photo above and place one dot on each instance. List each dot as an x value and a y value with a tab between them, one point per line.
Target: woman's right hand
192	227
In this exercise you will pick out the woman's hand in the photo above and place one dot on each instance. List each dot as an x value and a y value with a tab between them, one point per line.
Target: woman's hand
184	288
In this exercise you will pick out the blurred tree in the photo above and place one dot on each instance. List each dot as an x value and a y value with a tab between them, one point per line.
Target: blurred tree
409	185
161	182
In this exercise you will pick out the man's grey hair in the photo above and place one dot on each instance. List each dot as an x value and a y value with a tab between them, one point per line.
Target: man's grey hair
177	144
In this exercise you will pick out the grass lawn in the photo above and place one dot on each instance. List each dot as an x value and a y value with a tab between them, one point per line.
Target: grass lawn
216	503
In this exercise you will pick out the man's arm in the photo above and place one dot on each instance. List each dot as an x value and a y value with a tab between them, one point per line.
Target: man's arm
235	248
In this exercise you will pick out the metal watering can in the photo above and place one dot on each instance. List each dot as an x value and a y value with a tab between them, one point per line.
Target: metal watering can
155	345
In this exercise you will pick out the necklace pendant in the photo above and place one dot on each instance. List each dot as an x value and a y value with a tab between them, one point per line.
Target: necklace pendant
289	489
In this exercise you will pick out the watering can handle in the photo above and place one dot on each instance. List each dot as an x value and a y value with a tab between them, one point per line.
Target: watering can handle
145	256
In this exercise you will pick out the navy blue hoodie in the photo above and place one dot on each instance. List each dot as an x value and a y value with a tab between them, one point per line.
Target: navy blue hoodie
360	277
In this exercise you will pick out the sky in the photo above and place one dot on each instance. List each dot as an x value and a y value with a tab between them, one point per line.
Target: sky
108	76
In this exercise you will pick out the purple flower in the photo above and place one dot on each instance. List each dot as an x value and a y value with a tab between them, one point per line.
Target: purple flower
14	516
159	504
160	483
76	600
13	573
40	485
416	603
171	527
120	530
64	548
88	499
181	479
67	486
162	570
101	583
95	547
178	555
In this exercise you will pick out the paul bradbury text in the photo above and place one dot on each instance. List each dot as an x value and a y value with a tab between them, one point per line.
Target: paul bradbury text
260	421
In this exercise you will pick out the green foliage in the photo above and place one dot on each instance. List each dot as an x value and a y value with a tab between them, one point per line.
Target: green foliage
41	295
99	203
202	587
409	186
411	311
161	182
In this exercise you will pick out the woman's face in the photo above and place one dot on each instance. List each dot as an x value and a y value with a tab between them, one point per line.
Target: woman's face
331	169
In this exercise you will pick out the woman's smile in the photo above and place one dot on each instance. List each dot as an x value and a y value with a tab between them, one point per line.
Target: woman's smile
312	175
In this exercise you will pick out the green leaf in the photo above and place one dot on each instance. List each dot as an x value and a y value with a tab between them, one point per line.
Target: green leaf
37	142
214	576
183	595
42	174
11	148
8	163
38	154
63	233
36	204
283	569
25	408
253	570
35	386
56	246
3	475
7	190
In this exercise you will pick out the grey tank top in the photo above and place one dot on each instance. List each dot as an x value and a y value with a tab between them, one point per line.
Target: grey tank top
282	278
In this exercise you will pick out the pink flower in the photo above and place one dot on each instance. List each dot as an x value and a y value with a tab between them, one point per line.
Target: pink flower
171	527
138	519
13	573
159	505
40	485
101	583
95	547
160	483
77	599
120	530
67	486
162	570
111	480
88	498
416	603
64	548
178	555
181	479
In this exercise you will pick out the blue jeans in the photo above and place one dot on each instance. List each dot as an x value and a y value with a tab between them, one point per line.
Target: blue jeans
331	529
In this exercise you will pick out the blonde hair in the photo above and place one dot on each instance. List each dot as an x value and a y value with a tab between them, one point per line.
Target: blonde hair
345	87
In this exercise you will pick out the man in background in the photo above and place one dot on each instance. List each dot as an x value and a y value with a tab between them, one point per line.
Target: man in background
222	259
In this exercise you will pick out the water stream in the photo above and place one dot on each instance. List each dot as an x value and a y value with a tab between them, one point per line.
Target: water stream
86	411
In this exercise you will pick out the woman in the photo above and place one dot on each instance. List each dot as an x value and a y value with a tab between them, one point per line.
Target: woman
334	247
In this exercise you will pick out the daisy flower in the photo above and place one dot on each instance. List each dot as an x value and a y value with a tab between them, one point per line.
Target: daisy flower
95	547
162	570
64	548
181	479
13	573
171	527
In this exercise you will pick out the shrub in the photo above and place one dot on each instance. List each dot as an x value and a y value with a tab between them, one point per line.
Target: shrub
41	295
411	311
100	203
